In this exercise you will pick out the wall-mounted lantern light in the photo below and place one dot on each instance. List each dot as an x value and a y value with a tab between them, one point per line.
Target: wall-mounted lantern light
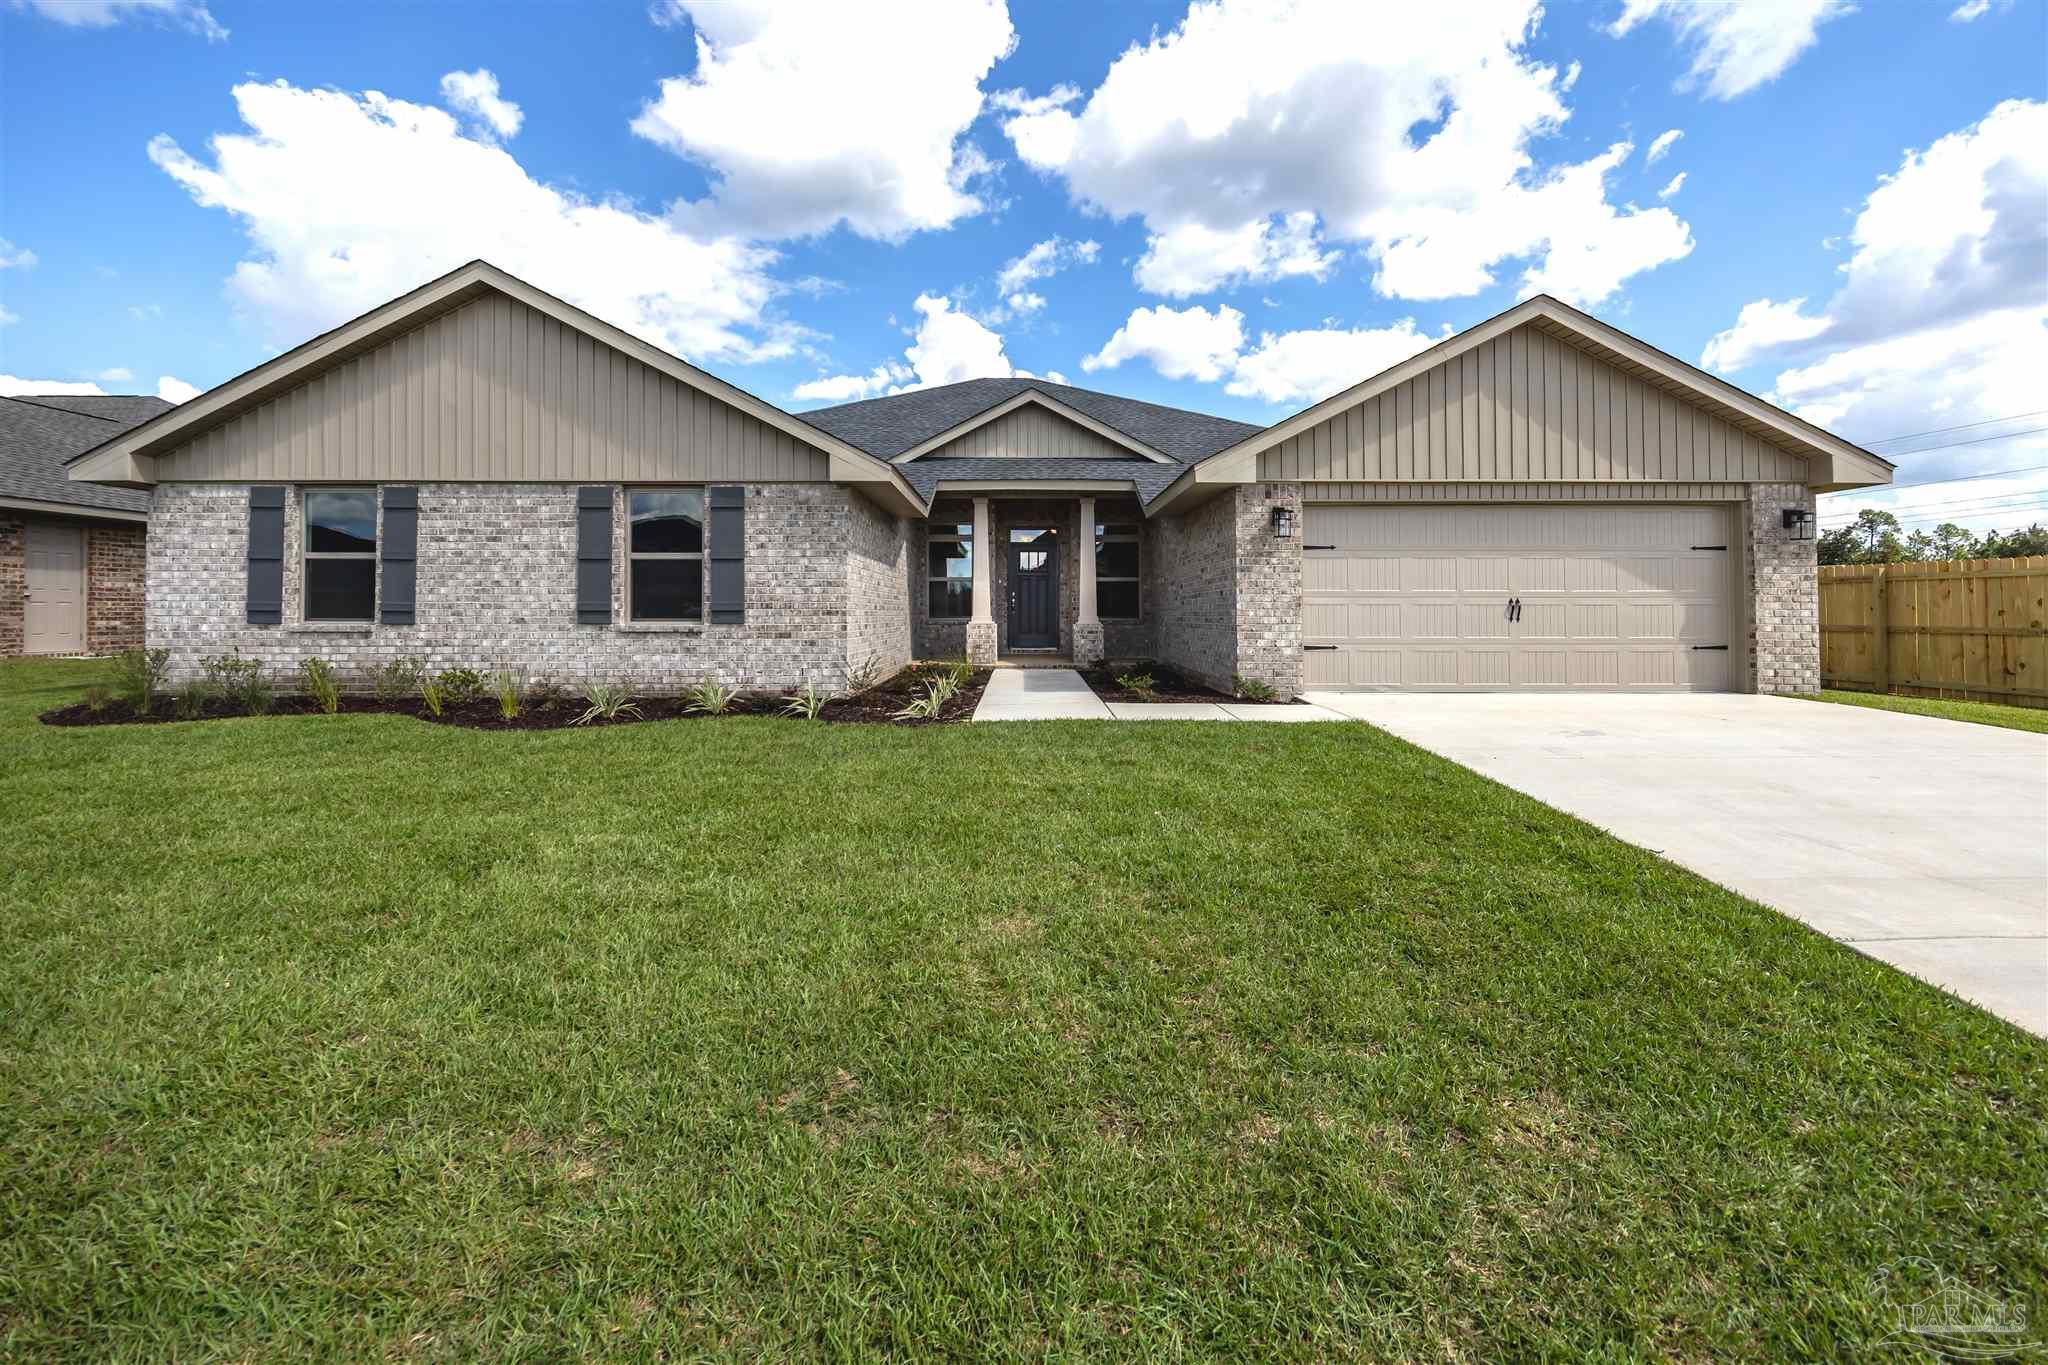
1799	522
1283	522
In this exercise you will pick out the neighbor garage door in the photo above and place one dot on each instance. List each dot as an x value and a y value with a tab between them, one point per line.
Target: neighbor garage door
1448	598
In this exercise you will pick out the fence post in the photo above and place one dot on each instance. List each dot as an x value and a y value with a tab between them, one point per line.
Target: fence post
1880	637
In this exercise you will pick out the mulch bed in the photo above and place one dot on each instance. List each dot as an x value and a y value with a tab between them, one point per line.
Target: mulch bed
877	705
1167	685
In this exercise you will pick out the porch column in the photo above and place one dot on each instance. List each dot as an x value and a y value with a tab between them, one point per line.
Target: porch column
981	626
1087	625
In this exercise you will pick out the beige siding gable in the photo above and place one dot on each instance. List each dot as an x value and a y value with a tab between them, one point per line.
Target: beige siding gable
494	390
1032	432
1527	406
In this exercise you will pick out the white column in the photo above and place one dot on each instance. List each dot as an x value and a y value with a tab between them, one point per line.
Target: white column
982	550
1085	551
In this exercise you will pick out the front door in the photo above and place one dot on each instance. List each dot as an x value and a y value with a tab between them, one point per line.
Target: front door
55	607
1034	591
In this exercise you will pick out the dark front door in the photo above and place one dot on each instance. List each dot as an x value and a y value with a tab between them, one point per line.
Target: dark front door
1035	593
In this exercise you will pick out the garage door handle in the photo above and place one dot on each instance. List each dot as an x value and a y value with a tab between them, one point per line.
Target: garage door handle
1318	547
1722	648
1319	646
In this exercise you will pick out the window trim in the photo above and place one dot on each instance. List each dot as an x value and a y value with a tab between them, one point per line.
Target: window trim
701	554
965	540
307	553
1135	538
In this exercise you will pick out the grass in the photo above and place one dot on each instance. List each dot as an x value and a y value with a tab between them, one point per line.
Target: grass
357	1036
1975	712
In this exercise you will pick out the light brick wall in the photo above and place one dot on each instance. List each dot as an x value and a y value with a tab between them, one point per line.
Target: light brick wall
114	560
1232	604
1269	588
13	585
877	587
497	586
1784	581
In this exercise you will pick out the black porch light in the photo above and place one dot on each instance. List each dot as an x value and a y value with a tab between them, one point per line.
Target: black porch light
1799	522
1283	522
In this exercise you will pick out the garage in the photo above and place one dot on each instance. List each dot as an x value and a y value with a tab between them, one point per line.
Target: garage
1489	598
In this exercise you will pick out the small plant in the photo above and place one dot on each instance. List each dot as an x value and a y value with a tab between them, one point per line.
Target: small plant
240	681
398	678
1251	689
945	686
545	695
1143	686
190	701
139	676
96	699
710	698
961	672
809	703
505	683
462	685
927	706
608	702
864	675
322	684
433	695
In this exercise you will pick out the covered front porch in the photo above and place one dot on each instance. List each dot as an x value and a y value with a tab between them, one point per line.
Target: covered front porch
1029	576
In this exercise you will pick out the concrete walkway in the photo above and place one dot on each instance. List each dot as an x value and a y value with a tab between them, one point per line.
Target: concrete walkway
1062	694
1921	842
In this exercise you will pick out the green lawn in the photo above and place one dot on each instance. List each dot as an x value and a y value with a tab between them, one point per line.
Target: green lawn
1976	712
349	1037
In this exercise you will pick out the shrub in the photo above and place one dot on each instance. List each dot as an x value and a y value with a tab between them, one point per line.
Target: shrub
190	701
433	695
927	706
808	703
1140	685
461	685
961	672
1251	689
139	676
96	699
864	675
710	698
240	681
608	702
322	684
506	684
398	679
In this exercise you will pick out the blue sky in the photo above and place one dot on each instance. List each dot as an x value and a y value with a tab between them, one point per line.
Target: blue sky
1237	208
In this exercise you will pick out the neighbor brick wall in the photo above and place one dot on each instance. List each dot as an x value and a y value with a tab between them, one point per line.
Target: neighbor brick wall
1231	602
497	589
114	564
1784	580
13	585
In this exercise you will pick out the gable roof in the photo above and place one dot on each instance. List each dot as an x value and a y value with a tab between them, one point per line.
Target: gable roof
39	433
126	457
901	423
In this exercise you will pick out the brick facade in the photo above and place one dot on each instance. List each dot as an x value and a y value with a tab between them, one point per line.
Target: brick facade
1783	577
497	586
113	588
13	585
1234	604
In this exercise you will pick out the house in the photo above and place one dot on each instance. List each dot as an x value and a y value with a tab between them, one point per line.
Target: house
71	553
481	474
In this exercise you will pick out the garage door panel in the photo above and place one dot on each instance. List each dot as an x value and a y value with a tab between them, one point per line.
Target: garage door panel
1610	596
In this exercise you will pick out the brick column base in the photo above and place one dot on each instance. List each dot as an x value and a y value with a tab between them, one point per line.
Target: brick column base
1087	643
981	642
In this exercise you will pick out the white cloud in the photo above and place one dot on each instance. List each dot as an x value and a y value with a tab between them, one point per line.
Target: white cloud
1181	343
1736	47
349	201
145	312
475	93
1672	186
172	389
947	347
1570	77
808	116
1024	303
844	388
8	316
1661	144
1970	10
1255	137
1044	260
102	13
1942	315
117	375
14	257
12	385
1308	366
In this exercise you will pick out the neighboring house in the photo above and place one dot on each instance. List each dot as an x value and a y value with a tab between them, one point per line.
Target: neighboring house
70	553
480	474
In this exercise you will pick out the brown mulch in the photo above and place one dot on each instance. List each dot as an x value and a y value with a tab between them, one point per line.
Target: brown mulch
878	705
1167	685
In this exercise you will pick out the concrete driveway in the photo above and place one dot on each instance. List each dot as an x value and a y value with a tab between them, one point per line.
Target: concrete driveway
1921	842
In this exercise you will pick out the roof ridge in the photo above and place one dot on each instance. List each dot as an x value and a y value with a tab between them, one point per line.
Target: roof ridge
29	400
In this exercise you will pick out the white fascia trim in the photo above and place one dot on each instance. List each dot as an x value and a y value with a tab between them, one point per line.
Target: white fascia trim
72	509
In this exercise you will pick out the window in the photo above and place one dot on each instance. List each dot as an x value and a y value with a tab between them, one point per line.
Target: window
949	569
341	554
1116	572
665	554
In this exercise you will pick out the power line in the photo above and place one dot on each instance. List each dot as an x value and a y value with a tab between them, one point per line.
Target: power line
1958	445
1959	478
2030	512
1965	426
1954	504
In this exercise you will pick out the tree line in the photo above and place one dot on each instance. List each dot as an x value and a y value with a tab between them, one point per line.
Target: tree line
1875	537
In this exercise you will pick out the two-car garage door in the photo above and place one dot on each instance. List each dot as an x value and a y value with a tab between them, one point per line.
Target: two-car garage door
1478	597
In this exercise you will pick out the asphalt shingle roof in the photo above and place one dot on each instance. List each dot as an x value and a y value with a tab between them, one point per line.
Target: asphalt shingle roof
38	434
886	427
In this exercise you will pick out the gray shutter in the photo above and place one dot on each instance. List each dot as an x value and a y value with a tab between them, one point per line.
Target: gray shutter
266	555
594	555
727	549
398	544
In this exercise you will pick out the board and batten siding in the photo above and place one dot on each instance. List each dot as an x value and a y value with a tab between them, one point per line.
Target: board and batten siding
1031	432
492	391
1527	406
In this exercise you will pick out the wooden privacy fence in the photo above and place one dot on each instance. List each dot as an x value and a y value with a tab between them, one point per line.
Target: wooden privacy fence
1972	628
